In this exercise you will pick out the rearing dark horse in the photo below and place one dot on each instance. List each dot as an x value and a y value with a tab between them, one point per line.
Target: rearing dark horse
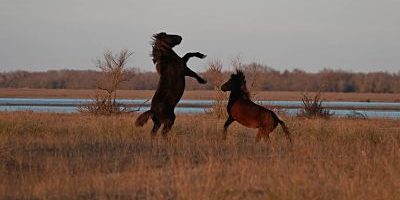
172	70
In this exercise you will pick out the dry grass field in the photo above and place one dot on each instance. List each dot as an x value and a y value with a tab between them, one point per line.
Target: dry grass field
197	94
75	156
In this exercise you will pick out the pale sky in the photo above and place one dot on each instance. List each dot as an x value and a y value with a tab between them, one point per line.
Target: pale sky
354	35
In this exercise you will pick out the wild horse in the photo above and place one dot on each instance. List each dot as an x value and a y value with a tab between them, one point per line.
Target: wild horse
172	70
246	112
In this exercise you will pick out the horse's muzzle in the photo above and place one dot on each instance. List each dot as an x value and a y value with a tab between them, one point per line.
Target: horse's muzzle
224	88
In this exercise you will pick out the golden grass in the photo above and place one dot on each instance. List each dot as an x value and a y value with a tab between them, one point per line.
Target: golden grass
193	94
73	156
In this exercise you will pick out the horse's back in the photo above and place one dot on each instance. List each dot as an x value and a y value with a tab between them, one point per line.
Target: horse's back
252	115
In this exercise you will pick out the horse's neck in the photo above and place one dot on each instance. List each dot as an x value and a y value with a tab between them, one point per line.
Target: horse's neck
158	54
236	95
161	52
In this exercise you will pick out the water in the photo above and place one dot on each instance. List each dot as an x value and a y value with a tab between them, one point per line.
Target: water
69	105
205	103
73	109
354	112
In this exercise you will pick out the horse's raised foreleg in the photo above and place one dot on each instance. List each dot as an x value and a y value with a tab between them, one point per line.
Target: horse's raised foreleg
187	56
189	72
226	125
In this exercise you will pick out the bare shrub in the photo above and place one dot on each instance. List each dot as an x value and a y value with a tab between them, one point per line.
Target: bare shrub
114	73
313	107
215	76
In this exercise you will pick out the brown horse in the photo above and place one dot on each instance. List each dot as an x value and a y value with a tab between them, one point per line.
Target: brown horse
172	70
246	112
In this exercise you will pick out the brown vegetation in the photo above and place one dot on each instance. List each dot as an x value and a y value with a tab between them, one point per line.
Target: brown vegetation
313	107
269	80
71	156
215	77
114	73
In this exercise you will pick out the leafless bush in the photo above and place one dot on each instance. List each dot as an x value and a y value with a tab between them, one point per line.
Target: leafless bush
313	107
114	73
216	78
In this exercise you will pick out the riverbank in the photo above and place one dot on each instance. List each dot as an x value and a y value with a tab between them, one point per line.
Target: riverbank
197	95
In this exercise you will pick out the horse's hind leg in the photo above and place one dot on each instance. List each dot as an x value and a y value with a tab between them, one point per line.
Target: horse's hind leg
168	125
263	133
260	134
156	126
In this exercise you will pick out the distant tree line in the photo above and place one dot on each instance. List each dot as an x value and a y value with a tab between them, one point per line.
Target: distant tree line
259	77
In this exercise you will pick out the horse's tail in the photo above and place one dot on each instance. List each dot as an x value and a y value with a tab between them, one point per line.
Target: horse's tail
142	119
284	128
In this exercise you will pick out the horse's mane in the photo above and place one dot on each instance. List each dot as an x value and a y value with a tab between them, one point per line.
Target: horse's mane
160	48
242	82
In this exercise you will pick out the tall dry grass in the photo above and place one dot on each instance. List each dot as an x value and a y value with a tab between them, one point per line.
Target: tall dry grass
72	156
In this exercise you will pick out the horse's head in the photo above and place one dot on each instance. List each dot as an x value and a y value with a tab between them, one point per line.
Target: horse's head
236	82
166	40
